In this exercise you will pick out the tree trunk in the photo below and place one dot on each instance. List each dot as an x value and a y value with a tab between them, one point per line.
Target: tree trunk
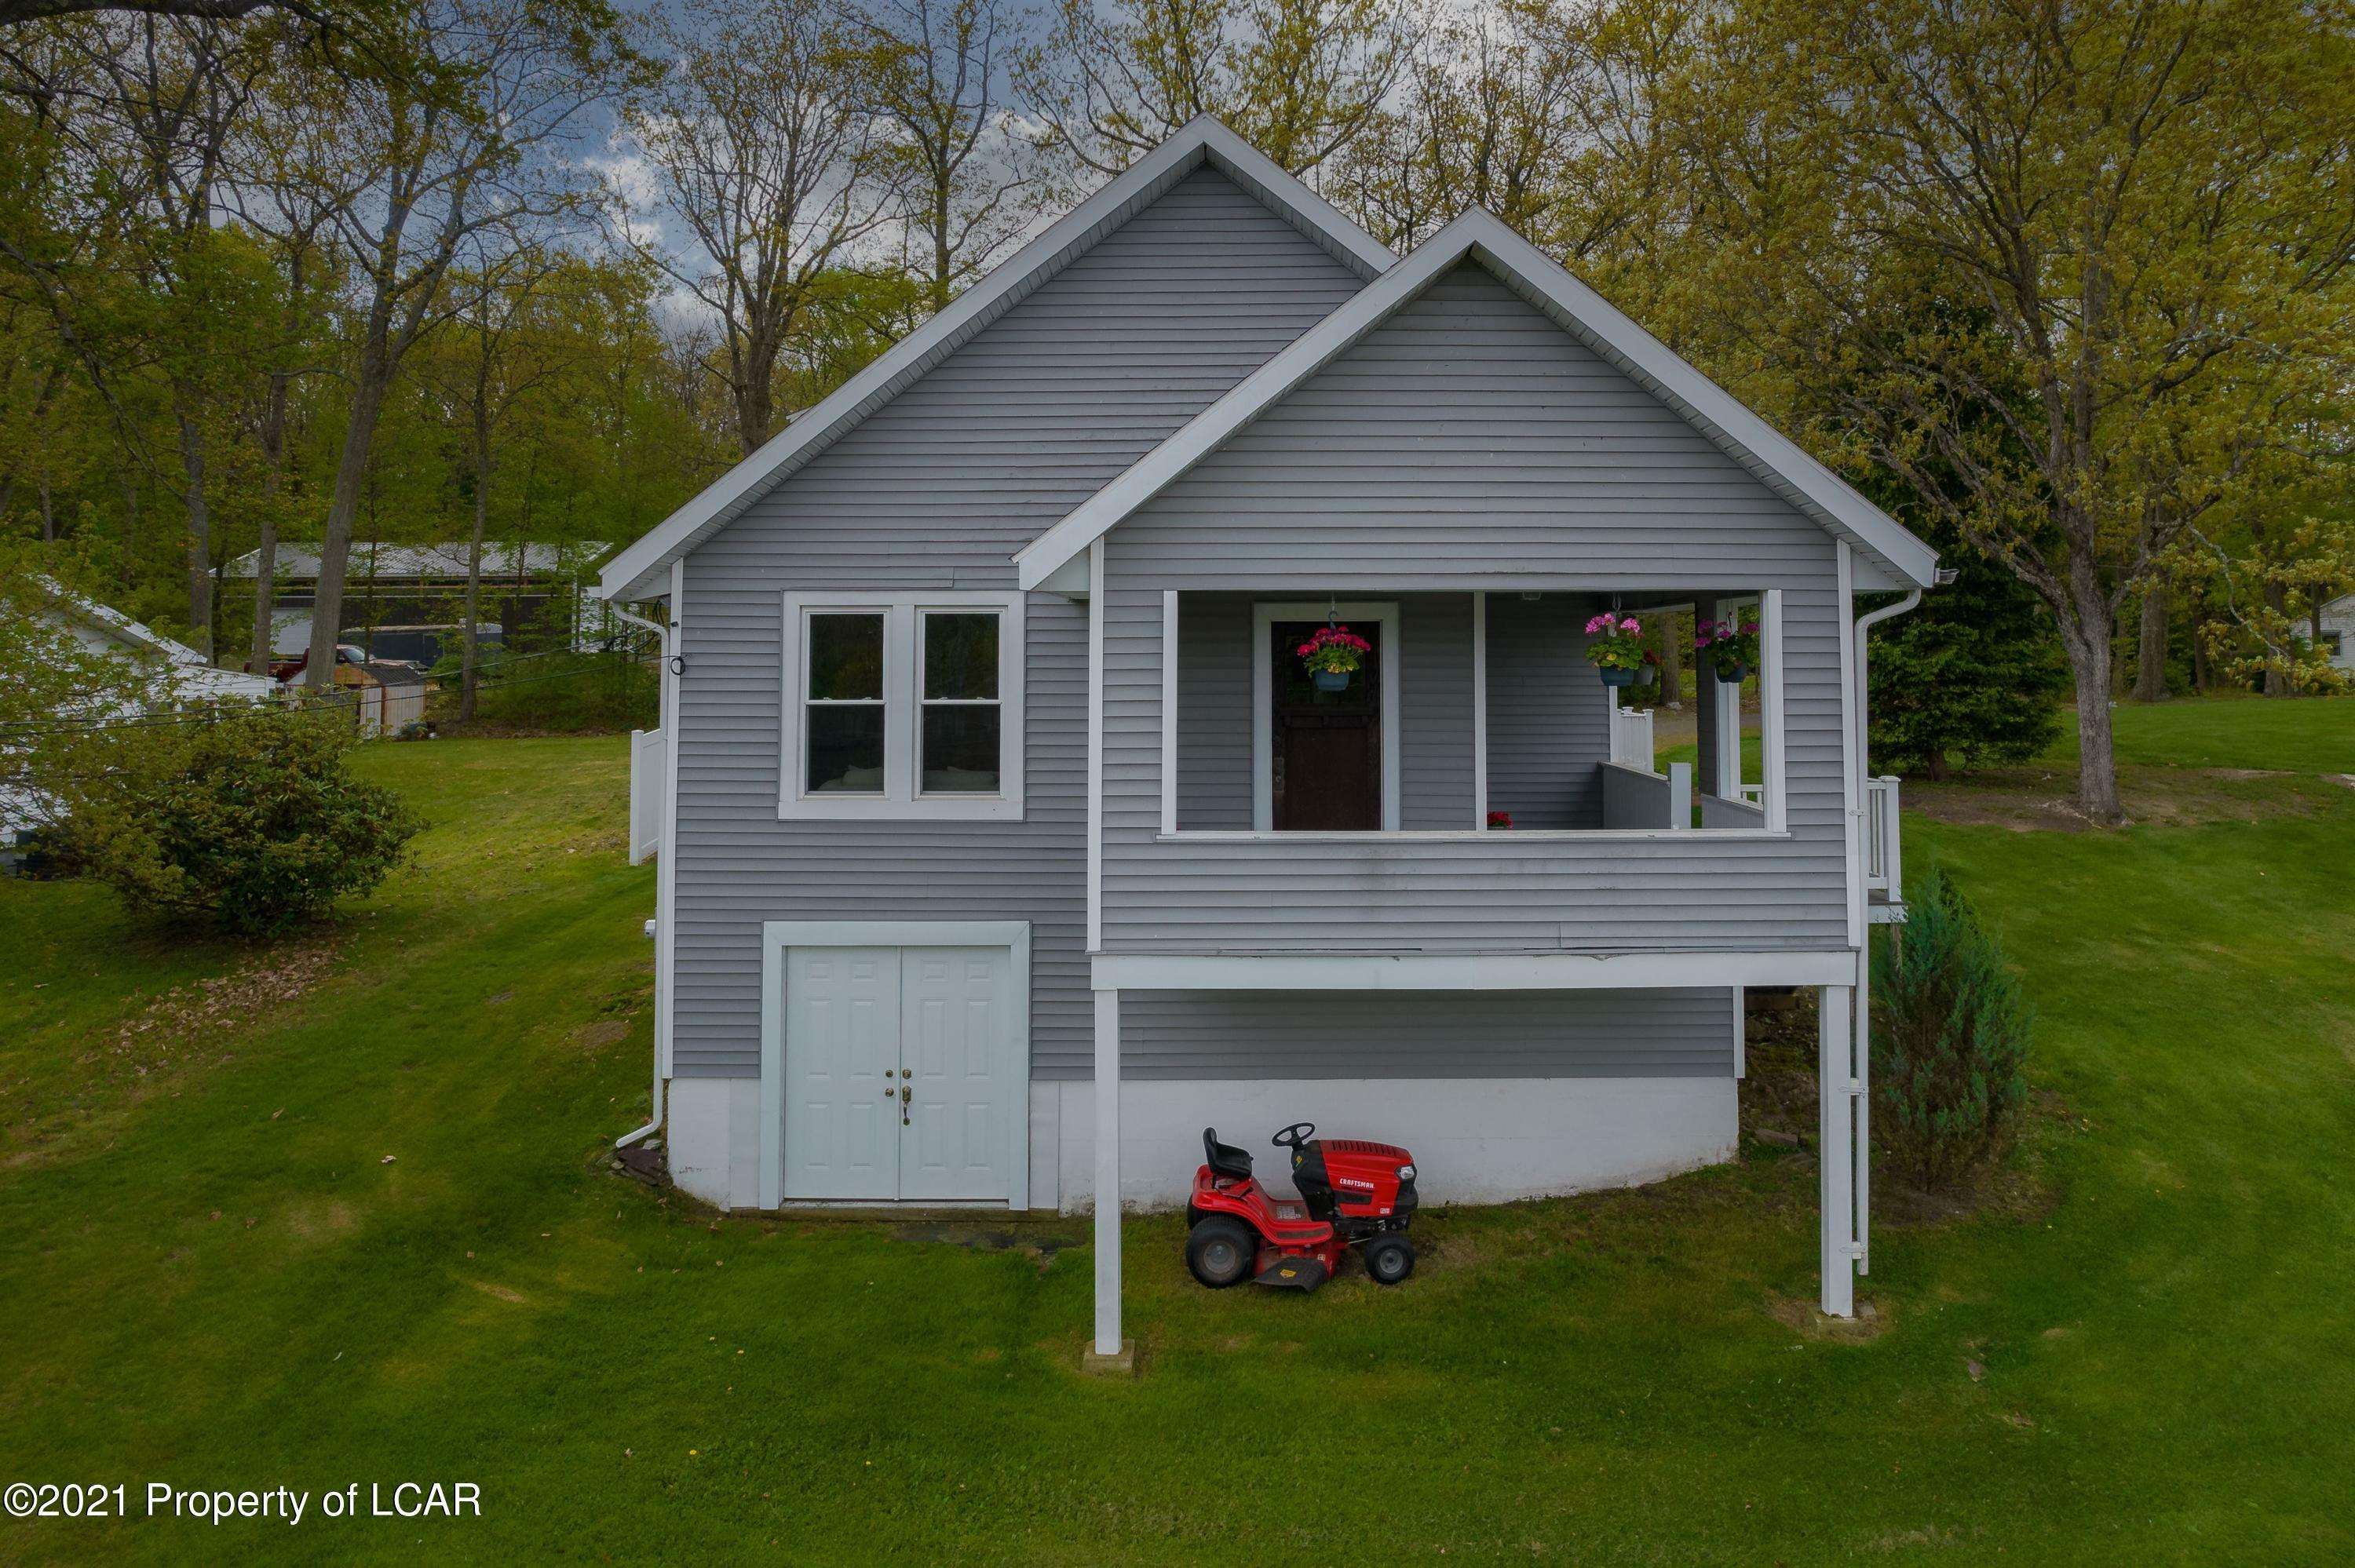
466	674
265	553
201	584
2277	680
343	511
1672	668
2200	659
2150	646
2086	634
48	517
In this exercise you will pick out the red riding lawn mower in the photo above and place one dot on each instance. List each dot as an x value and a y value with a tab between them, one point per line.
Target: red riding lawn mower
1352	1193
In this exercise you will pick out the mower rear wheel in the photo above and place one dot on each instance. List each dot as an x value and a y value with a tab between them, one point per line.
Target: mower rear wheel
1193	1215
1390	1258
1219	1251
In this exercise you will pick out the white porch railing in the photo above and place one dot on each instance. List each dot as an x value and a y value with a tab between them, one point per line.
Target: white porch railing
1883	873
1631	737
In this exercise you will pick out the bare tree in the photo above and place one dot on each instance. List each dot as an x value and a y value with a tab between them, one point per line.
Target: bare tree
937	70
769	155
414	165
1296	79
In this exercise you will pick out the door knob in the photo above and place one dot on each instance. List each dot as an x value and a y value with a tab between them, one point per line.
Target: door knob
904	1095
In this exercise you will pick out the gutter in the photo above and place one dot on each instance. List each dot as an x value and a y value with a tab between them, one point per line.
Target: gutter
664	635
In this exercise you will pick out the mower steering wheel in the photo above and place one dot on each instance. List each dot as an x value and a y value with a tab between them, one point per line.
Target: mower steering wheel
1292	1137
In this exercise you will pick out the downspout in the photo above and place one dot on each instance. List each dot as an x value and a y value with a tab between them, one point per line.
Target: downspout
663	635
1863	1184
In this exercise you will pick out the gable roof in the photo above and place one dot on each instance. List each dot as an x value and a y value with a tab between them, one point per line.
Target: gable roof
639	571
1771	457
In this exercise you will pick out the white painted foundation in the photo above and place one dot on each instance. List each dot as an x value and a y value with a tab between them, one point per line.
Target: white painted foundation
1474	1140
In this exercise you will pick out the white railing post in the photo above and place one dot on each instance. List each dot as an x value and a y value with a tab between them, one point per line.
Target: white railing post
1892	871
1680	799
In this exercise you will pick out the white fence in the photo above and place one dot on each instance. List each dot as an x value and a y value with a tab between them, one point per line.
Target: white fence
649	766
1631	737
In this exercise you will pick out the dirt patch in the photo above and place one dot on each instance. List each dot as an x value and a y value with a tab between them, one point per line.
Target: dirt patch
604	1033
208	1009
1805	1320
2038	799
501	1293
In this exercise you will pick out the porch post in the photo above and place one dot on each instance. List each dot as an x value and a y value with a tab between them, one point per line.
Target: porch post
1107	1172
1836	1149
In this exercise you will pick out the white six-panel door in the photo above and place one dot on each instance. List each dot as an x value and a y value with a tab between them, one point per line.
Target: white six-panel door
904	1069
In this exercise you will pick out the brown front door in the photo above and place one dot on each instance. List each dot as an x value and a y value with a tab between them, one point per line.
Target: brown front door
1327	752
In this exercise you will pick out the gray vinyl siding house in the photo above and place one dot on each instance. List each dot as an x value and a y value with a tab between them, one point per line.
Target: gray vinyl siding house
1003	846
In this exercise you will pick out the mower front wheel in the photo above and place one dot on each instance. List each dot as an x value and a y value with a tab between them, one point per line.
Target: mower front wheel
1219	1251
1390	1258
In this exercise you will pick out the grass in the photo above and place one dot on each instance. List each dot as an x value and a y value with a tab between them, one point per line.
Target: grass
1622	1378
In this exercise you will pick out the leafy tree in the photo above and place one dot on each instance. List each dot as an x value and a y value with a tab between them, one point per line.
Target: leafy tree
1949	1041
1974	672
247	822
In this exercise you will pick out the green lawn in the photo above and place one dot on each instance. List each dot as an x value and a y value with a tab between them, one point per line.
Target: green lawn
2164	1337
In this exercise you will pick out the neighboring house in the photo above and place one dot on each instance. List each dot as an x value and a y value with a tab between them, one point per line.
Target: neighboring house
2338	623
407	601
173	675
1002	845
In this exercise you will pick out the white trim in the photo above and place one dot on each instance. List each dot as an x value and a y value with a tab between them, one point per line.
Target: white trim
776	936
1170	710
1773	458
903	799
1107	1198
1383	613
1770	709
1095	742
1852	801
1441	835
673	689
1480	709
1686	969
1203	140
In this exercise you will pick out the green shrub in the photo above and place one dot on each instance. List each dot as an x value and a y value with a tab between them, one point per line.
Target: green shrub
249	824
559	694
1949	1041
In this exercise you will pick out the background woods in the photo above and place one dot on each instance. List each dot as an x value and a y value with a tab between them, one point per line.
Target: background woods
2066	287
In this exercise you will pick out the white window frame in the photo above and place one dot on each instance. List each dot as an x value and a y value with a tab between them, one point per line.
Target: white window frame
1383	613
901	801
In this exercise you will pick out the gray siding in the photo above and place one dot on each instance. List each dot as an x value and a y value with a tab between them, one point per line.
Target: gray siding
1427	1034
939	489
1548	724
1215	711
1471	442
1436	782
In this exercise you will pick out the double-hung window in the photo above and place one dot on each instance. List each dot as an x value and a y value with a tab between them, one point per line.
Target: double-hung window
902	707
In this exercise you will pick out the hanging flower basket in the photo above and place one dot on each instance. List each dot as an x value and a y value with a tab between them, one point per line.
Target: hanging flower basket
1613	649
1500	819
1332	656
1732	648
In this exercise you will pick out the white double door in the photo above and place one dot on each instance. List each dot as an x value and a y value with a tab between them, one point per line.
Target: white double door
905	1071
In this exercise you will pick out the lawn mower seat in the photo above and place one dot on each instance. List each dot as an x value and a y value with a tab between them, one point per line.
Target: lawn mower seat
1224	1159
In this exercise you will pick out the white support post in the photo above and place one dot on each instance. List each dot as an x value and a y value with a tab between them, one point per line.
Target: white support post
1740	1033
1107	1120
1727	785
1770	708
1835	1149
1480	711
1679	796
